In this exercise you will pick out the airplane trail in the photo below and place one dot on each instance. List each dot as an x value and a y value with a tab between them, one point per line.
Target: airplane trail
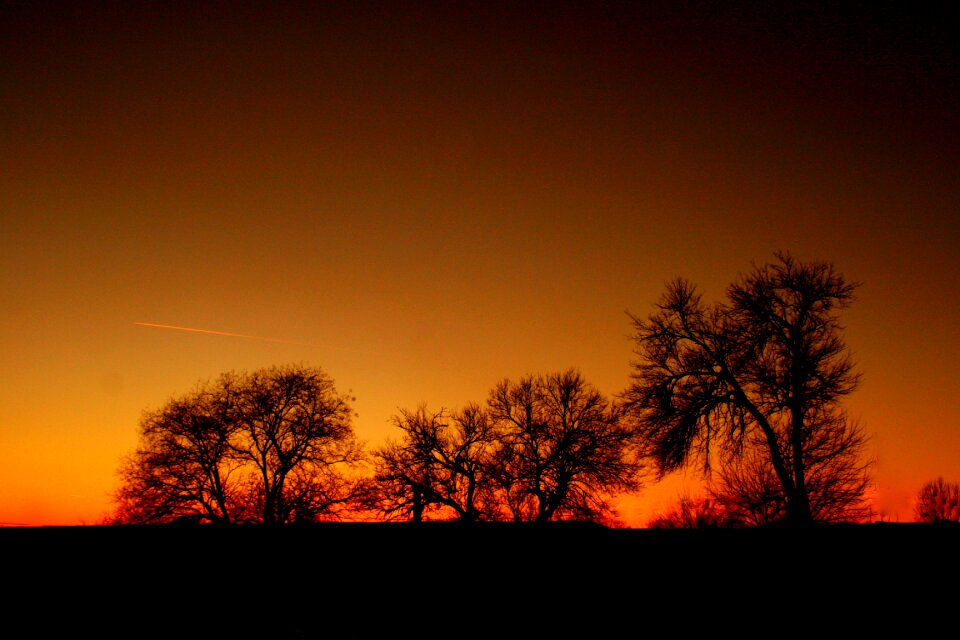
249	337
212	332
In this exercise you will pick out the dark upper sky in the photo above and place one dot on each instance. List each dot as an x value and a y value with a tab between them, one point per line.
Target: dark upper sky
426	199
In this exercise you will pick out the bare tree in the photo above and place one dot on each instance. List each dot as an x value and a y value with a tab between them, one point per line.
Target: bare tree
564	448
693	513
271	446
440	464
769	366
296	434
938	501
183	467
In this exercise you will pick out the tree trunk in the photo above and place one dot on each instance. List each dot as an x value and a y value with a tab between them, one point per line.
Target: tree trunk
798	504
773	444
417	505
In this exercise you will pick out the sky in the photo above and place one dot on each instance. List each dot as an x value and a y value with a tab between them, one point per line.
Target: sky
425	198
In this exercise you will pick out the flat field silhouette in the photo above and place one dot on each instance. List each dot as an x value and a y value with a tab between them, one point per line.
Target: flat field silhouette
451	580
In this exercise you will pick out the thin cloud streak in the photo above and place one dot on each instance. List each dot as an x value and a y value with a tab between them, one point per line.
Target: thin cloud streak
215	333
249	337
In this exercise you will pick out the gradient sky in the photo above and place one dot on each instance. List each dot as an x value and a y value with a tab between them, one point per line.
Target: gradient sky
425	199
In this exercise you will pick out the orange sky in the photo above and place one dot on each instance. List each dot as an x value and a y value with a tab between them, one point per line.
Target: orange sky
424	201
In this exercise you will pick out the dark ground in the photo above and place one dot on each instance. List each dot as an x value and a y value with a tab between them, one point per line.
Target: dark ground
451	580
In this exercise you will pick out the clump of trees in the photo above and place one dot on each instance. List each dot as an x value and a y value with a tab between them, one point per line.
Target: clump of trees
755	384
277	446
273	446
544	448
938	501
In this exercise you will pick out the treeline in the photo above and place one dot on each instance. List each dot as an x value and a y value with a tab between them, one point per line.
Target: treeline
748	390
277	446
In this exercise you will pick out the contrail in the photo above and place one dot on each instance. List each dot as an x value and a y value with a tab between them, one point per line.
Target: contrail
261	338
212	332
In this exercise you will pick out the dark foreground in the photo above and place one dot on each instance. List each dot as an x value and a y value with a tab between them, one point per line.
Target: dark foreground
443	580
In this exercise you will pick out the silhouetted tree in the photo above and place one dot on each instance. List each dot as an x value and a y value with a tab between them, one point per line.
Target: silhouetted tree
563	450
440	463
693	513
183	467
768	366
297	434
938	501
270	446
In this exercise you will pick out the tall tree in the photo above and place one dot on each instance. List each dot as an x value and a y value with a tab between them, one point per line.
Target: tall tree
270	446
769	366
